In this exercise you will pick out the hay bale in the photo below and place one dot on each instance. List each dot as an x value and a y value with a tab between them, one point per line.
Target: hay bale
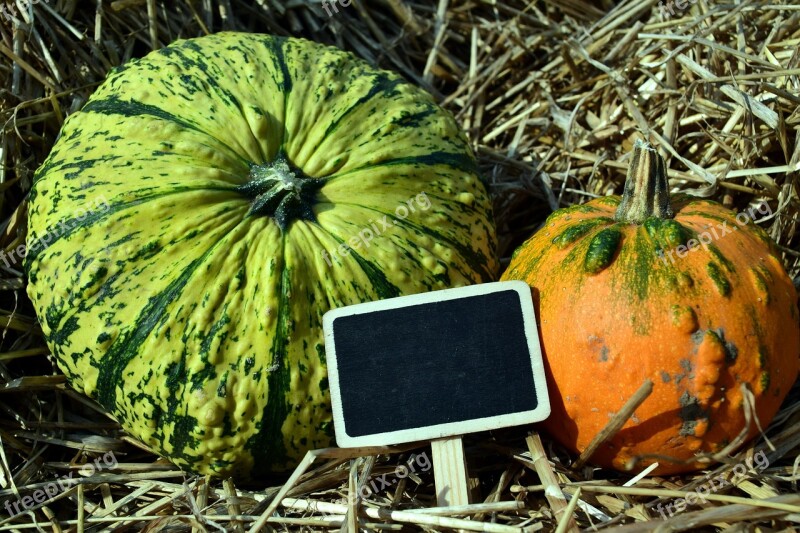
552	95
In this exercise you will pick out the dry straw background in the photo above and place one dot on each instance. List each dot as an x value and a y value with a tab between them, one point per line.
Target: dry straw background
552	93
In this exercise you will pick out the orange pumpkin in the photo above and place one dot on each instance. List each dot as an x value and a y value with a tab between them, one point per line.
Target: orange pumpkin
685	293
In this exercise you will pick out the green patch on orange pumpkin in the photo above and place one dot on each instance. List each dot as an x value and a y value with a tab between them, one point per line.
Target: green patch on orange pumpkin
585	209
578	230
718	278
640	254
602	250
684	318
760	277
721	259
667	233
764	381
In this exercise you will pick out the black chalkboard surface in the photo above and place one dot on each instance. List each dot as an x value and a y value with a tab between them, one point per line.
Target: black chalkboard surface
434	365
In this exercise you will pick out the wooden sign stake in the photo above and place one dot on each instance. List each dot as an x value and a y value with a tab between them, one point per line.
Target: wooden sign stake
440	356
450	472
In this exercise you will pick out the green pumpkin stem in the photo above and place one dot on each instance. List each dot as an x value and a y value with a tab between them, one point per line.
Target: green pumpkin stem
646	187
280	190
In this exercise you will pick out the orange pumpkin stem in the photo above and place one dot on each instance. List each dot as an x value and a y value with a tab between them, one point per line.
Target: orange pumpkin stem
646	189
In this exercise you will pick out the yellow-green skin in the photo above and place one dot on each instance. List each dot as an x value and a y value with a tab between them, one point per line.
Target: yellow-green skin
179	275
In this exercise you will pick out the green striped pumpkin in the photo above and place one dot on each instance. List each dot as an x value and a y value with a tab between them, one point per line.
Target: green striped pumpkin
198	216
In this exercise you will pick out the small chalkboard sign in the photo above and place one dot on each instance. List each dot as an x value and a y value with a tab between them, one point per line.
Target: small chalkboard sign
435	365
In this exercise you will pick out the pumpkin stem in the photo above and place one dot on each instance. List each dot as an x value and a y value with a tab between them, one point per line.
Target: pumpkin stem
280	190
646	189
